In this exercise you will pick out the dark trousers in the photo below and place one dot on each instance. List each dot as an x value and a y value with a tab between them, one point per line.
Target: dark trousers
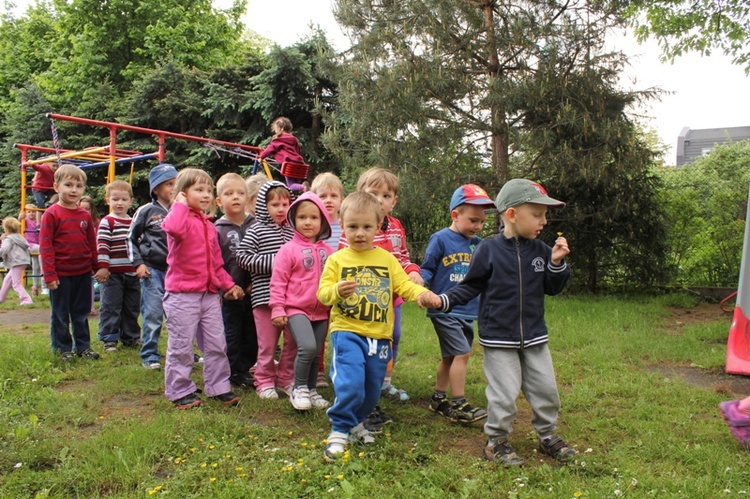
120	306
71	304
242	338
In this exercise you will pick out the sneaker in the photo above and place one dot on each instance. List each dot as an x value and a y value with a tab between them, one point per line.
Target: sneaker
739	424
502	452
89	354
300	398
361	435
45	291
229	398
465	413
557	448
268	393
440	406
243	380
377	420
132	344
110	346
188	401
391	392
198	360
286	390
335	446
317	400
152	364
322	381
67	356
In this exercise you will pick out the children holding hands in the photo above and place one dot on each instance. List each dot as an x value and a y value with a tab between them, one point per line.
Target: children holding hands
194	278
513	271
293	301
359	283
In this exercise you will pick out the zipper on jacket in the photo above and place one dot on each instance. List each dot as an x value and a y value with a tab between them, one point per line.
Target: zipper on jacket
520	288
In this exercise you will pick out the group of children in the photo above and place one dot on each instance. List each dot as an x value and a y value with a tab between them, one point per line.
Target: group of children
304	267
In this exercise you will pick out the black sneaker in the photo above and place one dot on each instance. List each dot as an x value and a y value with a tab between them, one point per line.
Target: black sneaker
377	420
132	344
502	452
440	406
188	401
229	398
67	356
243	380
110	346
557	448
465	413
89	354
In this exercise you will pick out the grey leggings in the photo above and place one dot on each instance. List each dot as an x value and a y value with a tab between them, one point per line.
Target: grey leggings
309	336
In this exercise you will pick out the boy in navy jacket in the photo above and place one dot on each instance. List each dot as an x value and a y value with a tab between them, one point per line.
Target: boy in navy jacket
512	272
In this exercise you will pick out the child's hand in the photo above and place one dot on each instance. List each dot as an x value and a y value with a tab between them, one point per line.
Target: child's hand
53	285
234	293
428	299
346	288
559	250
279	321
416	278
141	271
101	275
181	198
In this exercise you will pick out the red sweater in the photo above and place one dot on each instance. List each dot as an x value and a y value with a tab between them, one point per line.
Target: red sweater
67	243
44	179
283	148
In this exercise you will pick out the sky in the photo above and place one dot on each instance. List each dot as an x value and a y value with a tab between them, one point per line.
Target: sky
704	92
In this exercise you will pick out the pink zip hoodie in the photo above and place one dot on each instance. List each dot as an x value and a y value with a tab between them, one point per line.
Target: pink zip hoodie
297	269
194	256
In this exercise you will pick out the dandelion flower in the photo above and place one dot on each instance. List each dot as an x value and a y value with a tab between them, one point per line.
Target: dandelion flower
212	479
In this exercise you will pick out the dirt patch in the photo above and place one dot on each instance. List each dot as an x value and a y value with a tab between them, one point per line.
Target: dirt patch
24	316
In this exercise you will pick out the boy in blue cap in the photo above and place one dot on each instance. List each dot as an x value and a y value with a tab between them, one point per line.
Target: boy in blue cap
446	261
147	249
513	271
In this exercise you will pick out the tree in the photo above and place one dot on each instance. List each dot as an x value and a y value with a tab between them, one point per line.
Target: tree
695	25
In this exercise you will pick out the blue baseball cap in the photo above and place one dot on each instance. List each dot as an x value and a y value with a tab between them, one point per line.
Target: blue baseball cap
160	174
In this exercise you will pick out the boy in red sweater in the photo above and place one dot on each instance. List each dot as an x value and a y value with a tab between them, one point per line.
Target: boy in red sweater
42	188
68	249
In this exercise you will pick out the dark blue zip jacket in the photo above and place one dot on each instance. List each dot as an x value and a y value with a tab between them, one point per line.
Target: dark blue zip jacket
512	275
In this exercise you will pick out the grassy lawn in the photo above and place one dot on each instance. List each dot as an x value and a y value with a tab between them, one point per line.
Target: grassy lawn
105	429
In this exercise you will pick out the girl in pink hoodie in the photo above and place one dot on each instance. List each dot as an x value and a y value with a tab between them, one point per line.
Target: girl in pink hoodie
294	285
194	279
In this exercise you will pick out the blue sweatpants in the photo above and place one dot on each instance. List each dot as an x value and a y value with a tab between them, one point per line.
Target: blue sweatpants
358	367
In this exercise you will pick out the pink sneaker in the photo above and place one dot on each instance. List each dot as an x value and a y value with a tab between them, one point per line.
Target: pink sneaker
739	424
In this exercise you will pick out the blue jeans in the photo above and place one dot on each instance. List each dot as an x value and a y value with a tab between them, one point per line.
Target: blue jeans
41	197
118	309
71	303
152	313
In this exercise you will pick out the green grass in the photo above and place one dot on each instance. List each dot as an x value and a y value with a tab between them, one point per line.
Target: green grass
104	428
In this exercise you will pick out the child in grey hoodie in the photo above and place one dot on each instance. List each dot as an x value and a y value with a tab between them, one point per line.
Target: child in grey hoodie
15	253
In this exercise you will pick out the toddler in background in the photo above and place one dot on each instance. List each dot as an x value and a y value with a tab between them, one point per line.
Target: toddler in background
257	253
43	186
294	284
32	217
14	251
192	284
253	183
284	147
87	203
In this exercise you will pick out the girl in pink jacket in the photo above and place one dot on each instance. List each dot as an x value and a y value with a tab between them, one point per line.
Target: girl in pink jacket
294	285
194	279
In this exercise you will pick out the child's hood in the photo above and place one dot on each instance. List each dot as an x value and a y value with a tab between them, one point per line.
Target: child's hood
19	240
261	210
325	226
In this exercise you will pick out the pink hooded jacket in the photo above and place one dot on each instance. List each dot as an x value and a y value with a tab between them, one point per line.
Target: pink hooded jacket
194	256
297	269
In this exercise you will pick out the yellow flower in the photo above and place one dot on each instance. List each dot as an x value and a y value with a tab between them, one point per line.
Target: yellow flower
211	447
203	465
212	479
340	477
228	456
578	493
326	476
151	492
290	433
238	468
157	488
361	454
200	440
304	444
215	465
192	449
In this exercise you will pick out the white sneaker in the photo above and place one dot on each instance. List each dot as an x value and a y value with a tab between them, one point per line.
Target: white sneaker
300	398
336	445
45	291
361	435
317	400
268	393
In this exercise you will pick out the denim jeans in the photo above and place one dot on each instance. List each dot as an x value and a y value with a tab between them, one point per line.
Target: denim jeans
71	303
118	309
41	197
152	314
